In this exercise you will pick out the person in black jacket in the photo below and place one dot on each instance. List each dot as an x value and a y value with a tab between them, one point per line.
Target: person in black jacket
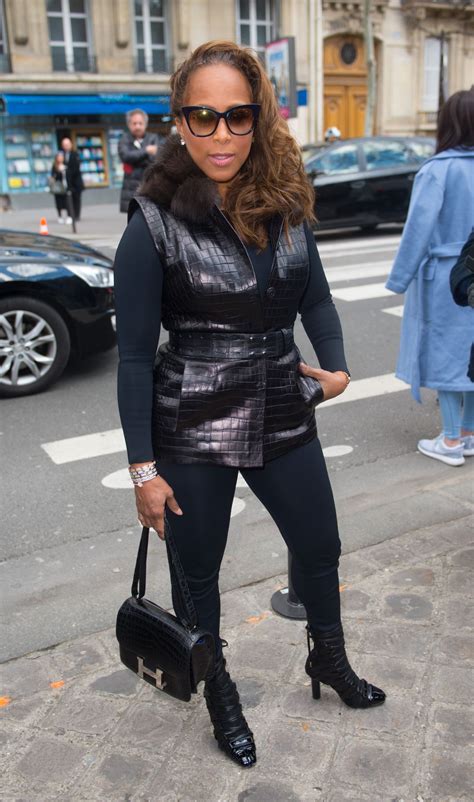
73	175
219	250
462	288
137	149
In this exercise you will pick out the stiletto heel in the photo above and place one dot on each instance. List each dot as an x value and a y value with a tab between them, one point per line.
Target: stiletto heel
327	662
231	730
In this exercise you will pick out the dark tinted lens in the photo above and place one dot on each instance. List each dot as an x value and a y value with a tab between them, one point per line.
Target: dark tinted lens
240	120
202	121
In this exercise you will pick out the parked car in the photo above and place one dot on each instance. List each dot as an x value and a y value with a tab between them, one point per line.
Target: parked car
56	300
365	181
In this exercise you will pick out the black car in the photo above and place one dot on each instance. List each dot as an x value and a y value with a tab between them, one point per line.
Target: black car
365	181
56	300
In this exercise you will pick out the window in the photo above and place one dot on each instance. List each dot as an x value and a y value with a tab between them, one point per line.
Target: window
256	24
69	35
343	159
4	60
151	35
432	70
381	155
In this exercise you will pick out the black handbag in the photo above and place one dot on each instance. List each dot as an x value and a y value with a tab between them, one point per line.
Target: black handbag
170	652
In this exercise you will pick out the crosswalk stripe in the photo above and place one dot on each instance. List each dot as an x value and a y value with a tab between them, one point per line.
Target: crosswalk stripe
368	388
355	272
361	293
394	310
335	248
86	446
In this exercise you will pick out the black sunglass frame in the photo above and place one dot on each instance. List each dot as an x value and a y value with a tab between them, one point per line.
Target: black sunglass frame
255	108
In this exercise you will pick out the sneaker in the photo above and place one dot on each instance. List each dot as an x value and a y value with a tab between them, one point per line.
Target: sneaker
467	441
69	220
437	448
60	219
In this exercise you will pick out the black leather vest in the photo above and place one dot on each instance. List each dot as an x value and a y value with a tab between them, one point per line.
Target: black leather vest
236	412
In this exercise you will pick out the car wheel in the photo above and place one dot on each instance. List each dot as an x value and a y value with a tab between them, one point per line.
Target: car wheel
34	346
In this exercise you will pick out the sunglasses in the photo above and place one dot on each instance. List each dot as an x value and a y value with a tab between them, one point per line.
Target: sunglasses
240	120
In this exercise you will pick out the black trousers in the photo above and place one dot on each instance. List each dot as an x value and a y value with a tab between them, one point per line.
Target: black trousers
296	491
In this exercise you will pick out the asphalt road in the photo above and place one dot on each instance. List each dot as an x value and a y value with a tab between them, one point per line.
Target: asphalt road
69	531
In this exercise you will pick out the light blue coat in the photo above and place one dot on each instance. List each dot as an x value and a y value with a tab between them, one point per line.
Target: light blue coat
436	333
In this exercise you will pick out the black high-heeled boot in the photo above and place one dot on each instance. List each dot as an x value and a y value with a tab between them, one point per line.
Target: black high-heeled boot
327	663
231	730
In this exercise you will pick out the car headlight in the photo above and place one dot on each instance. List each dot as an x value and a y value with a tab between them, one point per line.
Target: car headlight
93	275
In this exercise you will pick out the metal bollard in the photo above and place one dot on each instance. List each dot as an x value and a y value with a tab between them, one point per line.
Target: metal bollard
285	602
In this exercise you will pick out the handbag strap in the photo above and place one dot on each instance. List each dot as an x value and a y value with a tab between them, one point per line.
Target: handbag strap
183	603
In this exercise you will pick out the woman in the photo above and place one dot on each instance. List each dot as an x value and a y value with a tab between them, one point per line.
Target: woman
217	240
58	186
436	334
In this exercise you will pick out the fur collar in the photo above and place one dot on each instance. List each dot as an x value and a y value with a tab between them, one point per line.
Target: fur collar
174	182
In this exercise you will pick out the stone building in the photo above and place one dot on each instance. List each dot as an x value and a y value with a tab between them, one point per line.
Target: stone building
76	66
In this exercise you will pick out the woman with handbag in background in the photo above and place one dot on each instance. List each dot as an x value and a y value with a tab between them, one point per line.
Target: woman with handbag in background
436	334
58	187
218	249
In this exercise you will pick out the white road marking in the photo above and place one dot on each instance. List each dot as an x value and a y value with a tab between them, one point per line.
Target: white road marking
368	388
334	249
337	451
394	310
118	480
355	272
238	505
86	446
361	293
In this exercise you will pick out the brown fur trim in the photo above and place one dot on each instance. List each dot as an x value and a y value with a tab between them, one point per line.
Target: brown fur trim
176	183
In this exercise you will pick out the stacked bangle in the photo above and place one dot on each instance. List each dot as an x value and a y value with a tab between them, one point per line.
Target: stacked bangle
143	474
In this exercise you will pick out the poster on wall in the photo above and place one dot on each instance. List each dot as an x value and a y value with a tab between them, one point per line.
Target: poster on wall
281	69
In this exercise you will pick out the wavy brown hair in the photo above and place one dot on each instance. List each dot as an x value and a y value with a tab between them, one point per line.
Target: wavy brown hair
456	122
272	180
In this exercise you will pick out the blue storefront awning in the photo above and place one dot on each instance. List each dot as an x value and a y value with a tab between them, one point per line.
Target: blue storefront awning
60	105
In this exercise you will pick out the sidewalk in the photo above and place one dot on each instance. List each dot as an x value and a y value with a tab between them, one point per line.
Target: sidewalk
78	726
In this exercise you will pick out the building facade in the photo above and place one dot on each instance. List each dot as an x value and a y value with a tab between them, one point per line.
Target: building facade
74	67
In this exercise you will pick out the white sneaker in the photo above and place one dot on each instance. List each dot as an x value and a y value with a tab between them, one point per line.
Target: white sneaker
60	219
437	448
69	220
467	441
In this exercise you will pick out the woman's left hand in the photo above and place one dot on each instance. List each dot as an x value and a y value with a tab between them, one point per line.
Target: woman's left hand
333	384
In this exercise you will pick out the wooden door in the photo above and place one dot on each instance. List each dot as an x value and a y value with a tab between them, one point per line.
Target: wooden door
345	85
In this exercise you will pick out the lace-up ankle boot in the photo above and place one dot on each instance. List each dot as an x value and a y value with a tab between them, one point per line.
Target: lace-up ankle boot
231	730
327	663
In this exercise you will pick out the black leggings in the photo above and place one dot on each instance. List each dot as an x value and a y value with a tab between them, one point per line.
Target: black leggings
296	491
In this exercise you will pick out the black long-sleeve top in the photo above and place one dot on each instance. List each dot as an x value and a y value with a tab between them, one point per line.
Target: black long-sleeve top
138	290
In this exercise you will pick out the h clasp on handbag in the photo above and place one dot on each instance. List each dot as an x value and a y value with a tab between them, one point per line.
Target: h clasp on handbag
169	651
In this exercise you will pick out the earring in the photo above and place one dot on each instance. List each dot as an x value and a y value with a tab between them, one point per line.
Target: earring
182	142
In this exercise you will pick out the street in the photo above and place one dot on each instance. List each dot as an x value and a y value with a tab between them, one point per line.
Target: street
69	527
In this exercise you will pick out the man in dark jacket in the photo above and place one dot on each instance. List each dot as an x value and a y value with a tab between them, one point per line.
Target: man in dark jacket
462	285
137	149
73	175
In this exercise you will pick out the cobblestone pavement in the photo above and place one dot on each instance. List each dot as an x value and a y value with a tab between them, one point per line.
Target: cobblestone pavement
79	726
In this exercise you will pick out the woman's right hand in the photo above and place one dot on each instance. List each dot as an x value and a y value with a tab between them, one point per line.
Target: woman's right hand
151	499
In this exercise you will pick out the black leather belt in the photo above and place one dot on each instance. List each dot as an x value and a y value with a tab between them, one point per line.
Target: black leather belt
231	345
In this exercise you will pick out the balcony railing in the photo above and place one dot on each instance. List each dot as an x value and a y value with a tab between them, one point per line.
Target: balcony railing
449	5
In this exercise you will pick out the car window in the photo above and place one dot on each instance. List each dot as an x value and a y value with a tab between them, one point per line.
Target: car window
422	150
380	155
342	159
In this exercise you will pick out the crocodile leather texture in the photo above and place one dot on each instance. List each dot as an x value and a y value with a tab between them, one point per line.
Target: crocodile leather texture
232	405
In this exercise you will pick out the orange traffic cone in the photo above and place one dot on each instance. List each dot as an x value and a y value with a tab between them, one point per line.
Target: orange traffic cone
43	226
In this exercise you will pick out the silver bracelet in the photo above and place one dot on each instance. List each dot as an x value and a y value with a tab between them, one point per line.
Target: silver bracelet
143	474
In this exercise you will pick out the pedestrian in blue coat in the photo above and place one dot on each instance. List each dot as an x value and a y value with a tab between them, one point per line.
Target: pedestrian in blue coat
436	333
